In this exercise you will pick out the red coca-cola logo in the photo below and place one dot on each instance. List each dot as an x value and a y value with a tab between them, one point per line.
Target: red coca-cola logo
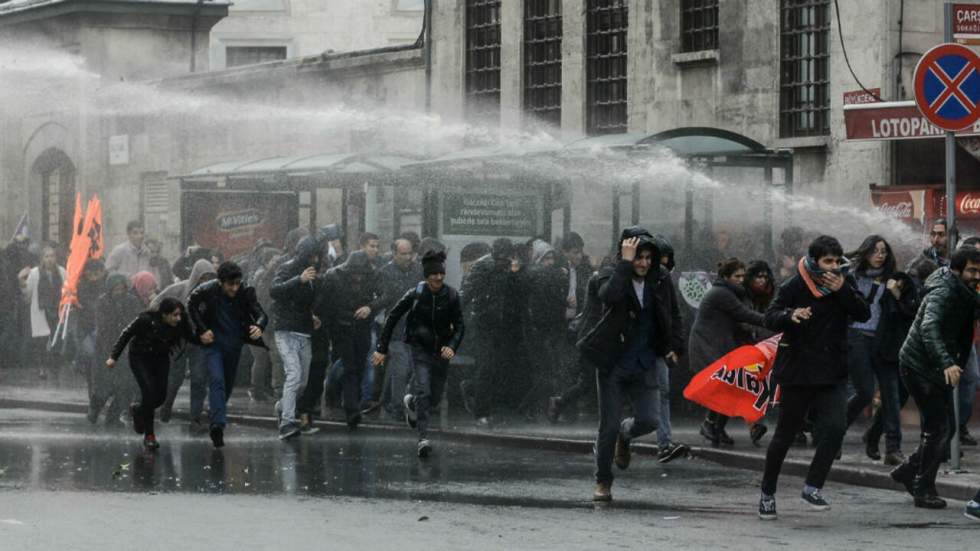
970	204
897	210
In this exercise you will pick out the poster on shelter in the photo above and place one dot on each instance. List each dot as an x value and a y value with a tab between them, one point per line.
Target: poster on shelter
233	222
491	215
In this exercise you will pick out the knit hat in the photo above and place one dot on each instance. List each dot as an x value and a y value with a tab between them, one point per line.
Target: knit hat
433	262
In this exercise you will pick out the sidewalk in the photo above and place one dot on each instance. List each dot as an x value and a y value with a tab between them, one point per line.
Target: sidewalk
67	394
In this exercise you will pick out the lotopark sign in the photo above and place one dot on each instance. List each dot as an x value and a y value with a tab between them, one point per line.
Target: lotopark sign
894	120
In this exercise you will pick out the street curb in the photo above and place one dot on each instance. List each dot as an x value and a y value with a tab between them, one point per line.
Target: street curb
855	476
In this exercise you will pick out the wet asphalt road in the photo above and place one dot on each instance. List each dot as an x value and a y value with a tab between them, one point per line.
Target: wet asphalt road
67	485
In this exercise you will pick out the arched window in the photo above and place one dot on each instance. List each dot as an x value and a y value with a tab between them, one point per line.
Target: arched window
56	174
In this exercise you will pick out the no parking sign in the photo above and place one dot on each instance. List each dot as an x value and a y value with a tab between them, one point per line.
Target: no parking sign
947	86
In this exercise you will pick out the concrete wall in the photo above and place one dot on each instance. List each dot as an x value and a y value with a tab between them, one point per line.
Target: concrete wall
310	27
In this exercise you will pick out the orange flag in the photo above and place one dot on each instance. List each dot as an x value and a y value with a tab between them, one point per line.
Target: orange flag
78	255
738	384
93	228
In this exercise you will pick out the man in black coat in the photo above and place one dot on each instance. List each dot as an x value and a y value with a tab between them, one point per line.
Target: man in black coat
434	331
347	304
402	274
625	344
227	313
812	309
293	292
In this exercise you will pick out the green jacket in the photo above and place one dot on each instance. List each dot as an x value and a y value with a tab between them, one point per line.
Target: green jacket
942	332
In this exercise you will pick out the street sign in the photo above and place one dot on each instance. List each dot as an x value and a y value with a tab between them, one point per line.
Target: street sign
947	86
966	23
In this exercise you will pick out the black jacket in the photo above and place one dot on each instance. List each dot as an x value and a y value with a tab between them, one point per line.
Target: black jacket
942	333
814	352
114	313
148	334
205	299
341	296
293	300
433	321
895	320
716	329
547	298
605	342
497	298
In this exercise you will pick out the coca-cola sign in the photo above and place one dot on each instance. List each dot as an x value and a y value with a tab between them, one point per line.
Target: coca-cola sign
895	204
969	203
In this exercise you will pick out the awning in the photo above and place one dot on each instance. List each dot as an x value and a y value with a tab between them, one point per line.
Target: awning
683	142
300	166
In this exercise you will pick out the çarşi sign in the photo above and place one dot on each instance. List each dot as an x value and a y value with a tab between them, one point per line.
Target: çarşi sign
966	23
893	120
490	215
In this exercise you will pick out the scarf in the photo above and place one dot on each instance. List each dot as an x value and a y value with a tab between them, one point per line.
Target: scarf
873	273
809	271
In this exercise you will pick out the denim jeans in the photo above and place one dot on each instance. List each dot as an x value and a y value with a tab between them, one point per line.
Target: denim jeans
296	352
967	389
335	376
641	388
662	372
222	361
191	359
427	385
864	369
934	406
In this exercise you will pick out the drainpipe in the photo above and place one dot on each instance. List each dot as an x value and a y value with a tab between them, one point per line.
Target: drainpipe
197	12
426	42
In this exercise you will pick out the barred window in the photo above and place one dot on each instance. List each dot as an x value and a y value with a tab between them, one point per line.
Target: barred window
542	59
699	25
606	25
236	56
483	59
804	99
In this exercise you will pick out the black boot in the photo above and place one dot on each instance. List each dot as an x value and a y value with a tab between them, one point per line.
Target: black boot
709	432
904	474
925	495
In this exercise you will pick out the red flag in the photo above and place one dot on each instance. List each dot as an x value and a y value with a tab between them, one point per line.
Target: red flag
738	384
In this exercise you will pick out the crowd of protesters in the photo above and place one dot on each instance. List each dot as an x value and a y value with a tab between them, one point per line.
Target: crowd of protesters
548	333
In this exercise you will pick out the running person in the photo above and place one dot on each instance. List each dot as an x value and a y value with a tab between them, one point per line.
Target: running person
152	336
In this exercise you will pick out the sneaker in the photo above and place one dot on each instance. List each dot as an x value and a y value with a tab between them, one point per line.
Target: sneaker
965	438
198	427
150	442
756	433
767	508
603	492
725	439
218	436
671	451
816	500
622	455
369	406
894	459
482	422
166	413
972	510
425	448
138	425
411	416
554	409
288	431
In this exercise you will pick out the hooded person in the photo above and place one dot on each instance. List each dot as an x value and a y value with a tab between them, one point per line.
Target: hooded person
191	358
625	345
494	292
347	303
117	306
293	294
145	285
434	331
547	297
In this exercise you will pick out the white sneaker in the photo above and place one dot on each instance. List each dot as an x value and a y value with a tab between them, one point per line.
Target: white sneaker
411	416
